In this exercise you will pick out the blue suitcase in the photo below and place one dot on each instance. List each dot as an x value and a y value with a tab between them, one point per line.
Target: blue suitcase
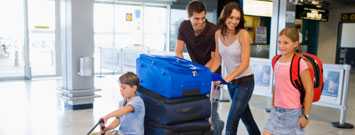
174	111
173	77
191	128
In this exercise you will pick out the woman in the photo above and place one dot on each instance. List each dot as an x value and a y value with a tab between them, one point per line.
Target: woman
233	51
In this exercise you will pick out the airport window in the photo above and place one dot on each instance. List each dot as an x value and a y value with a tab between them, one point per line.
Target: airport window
122	31
11	38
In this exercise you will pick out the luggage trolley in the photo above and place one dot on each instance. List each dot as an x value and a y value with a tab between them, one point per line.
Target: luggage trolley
215	95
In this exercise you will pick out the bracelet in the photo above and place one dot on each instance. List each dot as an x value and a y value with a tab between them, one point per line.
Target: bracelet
305	116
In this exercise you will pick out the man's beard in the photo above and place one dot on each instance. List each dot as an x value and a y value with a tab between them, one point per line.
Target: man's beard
200	29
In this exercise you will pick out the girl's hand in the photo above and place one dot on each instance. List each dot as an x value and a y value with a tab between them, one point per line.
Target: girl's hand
303	122
103	132
105	129
103	119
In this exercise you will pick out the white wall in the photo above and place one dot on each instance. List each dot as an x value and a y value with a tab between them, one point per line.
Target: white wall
327	40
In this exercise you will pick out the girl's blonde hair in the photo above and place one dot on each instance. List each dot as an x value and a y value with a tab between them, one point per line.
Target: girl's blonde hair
293	34
290	32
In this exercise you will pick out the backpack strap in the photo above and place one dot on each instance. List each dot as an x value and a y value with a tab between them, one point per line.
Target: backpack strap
315	64
294	69
295	75
274	60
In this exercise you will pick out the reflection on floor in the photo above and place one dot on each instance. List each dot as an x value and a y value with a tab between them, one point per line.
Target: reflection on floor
34	108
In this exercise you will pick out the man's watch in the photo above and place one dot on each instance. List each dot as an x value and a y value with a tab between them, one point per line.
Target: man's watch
306	116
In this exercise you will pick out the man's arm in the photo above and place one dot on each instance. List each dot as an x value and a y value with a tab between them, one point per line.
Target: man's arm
210	62
216	58
179	48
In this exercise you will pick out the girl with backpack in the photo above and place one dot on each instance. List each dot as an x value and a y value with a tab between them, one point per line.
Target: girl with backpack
291	108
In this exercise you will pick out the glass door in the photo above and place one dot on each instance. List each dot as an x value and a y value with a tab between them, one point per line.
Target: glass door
103	34
42	37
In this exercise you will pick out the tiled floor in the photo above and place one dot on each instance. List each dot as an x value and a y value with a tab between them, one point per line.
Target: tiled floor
33	108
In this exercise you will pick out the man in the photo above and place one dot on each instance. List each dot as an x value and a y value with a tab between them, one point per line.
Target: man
197	35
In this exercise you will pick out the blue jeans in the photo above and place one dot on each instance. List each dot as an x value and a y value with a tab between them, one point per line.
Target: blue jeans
240	94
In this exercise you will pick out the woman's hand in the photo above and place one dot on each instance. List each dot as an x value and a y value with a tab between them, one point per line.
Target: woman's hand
227	79
303	122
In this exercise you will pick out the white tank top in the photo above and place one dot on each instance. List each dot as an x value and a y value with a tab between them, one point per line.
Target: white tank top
231	58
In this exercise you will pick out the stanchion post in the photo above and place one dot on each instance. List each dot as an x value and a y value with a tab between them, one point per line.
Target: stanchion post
343	108
100	72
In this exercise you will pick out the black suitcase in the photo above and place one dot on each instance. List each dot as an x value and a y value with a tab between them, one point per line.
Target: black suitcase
173	111
201	127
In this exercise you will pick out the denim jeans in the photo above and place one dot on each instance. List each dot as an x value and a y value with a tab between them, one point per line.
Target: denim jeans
240	94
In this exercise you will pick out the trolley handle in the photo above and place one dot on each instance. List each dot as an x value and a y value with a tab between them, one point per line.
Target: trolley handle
102	126
101	122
